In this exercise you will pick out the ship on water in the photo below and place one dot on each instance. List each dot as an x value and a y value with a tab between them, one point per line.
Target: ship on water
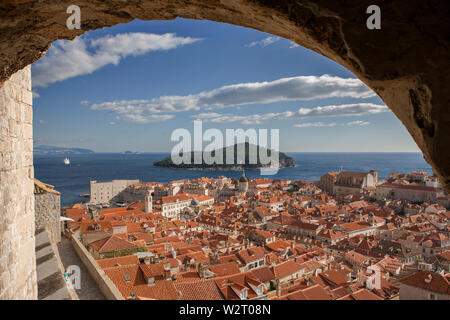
66	161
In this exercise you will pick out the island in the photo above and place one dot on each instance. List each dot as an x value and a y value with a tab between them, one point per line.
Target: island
52	150
284	160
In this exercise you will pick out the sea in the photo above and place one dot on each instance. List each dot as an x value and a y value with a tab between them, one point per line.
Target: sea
73	179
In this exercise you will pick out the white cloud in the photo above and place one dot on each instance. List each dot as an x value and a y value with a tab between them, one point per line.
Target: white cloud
207	115
356	109
315	124
345	110
112	123
67	59
142	119
84	102
35	94
358	123
285	89
263	43
332	124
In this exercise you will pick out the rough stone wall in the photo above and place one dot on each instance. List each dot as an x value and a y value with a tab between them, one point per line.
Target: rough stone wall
17	252
47	212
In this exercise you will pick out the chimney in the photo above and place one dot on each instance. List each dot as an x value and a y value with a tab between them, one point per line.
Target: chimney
174	253
278	287
200	270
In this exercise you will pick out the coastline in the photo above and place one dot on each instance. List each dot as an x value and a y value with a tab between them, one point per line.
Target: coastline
219	168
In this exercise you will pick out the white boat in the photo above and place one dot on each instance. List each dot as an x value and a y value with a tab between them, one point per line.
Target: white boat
66	161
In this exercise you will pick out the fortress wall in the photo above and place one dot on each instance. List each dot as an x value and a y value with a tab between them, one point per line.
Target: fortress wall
17	242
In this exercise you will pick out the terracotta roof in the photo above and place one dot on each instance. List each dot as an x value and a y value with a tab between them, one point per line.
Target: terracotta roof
263	274
286	268
428	281
161	290
224	269
362	294
125	278
251	254
315	292
152	270
199	290
445	254
110	244
356	225
334	277
331	234
118	261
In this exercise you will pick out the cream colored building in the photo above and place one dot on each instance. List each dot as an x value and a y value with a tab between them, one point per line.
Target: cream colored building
413	193
354	182
105	192
172	206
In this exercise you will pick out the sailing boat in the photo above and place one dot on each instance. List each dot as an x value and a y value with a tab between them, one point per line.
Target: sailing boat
66	161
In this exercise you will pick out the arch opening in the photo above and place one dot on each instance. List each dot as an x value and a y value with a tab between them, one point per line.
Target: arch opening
406	63
412	86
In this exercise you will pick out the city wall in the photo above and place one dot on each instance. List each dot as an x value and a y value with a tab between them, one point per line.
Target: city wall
105	284
17	242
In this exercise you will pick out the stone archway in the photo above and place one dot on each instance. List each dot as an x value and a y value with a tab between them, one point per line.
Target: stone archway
406	63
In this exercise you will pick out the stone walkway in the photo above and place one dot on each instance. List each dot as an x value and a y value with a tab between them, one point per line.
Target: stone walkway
89	289
50	280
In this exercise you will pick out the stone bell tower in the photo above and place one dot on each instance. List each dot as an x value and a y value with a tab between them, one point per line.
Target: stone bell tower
243	182
148	202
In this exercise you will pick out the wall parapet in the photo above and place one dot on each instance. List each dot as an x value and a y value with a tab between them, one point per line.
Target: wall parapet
105	284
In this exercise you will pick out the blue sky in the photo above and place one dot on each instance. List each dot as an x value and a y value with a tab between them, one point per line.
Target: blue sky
128	87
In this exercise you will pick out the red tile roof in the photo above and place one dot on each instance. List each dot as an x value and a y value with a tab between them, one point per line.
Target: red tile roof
199	290
110	244
428	281
118	261
285	269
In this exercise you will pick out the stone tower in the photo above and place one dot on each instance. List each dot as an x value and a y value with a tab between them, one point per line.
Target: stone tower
148	202
243	182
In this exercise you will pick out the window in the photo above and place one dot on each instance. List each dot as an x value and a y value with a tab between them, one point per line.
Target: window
432	296
127	278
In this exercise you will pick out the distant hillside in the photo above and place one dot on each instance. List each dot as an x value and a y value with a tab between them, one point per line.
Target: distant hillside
43	149
284	160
